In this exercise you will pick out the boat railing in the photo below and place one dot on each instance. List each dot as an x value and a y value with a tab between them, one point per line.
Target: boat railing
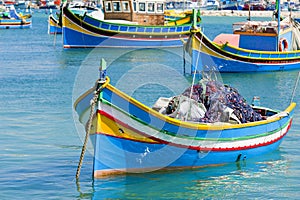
268	27
137	29
255	27
259	54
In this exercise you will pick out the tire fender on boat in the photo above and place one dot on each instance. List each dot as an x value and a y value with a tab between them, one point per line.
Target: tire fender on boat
283	44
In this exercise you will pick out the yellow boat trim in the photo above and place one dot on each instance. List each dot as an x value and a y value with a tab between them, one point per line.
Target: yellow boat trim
256	51
69	24
196	44
107	126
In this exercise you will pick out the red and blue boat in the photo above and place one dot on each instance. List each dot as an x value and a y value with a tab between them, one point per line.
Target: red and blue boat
130	137
126	24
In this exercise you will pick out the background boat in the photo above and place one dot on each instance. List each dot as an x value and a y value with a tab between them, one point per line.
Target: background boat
78	8
54	26
255	5
254	46
209	5
10	19
130	26
230	5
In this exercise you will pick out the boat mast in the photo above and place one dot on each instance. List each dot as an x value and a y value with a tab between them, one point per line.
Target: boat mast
249	8
278	21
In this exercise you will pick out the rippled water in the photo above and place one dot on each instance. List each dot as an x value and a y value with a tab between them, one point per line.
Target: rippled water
41	145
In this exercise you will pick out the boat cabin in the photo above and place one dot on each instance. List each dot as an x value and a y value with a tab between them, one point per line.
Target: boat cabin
140	11
259	35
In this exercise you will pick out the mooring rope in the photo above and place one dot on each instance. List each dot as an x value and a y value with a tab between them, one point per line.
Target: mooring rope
194	77
88	129
295	87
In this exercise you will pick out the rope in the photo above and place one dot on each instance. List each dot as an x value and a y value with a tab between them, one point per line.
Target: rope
295	87
55	33
194	77
88	129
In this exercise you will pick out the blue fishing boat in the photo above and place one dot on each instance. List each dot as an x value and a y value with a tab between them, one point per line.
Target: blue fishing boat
126	24
78	8
54	27
182	132
254	46
231	5
10	19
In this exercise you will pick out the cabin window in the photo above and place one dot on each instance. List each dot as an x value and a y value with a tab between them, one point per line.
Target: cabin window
107	6
150	7
160	7
126	6
142	7
117	6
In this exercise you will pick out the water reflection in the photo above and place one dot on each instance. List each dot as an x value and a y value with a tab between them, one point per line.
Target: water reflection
228	181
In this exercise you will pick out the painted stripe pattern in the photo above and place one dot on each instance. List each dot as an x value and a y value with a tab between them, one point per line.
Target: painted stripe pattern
206	144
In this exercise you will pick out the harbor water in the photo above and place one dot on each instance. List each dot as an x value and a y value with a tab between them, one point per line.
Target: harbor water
41	138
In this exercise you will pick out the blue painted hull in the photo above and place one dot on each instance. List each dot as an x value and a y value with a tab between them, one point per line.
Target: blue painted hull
55	30
228	66
90	32
226	58
53	26
15	23
81	40
115	153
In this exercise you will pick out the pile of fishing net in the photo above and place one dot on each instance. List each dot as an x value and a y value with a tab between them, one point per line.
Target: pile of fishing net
210	101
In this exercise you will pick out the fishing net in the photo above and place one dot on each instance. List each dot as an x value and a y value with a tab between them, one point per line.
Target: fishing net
211	101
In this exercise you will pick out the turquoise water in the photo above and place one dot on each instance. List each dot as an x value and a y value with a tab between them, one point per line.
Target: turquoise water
41	140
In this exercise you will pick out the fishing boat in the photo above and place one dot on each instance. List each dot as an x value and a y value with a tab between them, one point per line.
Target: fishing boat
254	46
10	19
130	137
230	5
78	8
127	23
54	27
255	5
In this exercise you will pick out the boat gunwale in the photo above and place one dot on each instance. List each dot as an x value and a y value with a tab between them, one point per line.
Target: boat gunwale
83	24
205	126
172	134
218	49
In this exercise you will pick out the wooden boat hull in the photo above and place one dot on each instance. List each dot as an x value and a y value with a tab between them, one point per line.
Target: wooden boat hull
53	25
130	137
90	32
15	23
226	58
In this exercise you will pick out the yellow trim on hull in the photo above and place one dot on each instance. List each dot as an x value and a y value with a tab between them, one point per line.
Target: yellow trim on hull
196	45
69	24
109	127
